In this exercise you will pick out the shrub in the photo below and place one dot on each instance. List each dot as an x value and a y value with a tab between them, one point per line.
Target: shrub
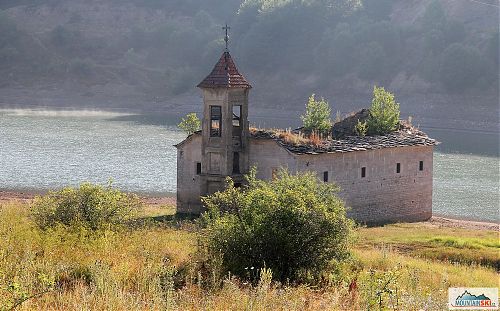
190	123
317	116
294	225
384	113
361	128
91	206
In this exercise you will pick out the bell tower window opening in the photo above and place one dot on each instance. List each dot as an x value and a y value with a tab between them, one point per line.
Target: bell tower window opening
237	115
215	121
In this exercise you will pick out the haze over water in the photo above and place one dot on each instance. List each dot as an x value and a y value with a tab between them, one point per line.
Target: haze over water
49	150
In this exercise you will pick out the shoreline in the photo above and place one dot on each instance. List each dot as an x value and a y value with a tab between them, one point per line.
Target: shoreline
27	196
436	220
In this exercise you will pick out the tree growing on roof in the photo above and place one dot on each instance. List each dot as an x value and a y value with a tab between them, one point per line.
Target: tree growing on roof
317	116
384	113
190	123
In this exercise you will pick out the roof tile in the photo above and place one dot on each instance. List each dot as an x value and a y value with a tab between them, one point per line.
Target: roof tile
225	74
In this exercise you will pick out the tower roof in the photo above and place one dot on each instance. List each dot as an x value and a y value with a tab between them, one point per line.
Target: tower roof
225	75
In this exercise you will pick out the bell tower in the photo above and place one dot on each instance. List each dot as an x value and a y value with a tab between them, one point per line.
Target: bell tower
224	150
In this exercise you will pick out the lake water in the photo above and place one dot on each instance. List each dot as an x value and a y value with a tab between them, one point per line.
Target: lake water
48	150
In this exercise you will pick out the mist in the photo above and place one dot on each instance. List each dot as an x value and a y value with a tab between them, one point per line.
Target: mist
61	113
440	58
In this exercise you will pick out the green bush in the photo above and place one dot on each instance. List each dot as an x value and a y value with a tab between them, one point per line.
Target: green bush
384	113
294	225
190	123
317	116
361	128
91	206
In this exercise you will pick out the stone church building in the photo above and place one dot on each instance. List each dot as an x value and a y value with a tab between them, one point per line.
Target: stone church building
383	178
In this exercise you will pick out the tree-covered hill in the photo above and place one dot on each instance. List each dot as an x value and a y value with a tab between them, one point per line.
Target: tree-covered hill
286	48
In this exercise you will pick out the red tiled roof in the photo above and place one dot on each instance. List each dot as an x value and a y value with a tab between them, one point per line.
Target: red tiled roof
225	74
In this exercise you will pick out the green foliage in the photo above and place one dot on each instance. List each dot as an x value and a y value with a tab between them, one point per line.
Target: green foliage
190	123
89	206
295	226
317	115
382	289
384	113
361	128
326	39
148	267
460	67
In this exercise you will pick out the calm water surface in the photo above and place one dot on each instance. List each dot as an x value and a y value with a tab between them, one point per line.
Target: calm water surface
47	150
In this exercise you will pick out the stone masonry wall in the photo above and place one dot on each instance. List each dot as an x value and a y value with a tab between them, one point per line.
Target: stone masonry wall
383	195
188	182
267	156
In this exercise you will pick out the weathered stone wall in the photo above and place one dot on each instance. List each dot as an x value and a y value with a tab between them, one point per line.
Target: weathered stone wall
383	195
188	182
267	156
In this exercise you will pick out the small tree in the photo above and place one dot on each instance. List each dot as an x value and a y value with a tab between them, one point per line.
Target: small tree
294	225
317	116
384	113
190	123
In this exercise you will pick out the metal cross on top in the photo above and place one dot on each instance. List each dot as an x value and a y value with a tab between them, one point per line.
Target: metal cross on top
226	38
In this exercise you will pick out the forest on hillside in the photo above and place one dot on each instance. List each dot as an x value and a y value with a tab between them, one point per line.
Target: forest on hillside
165	47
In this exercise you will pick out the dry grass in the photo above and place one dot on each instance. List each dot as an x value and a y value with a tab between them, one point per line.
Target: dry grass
445	244
142	268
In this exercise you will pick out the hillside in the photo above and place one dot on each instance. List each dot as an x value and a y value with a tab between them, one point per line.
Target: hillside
149	54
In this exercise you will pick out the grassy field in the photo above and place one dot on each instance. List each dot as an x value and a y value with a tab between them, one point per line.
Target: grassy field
145	266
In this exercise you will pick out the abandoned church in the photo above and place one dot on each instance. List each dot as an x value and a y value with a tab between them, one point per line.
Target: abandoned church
383	179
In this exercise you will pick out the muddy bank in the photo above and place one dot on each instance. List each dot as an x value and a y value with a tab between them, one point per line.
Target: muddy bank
27	197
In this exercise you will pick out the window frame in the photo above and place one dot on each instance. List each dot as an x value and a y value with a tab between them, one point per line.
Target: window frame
237	118
198	168
215	118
